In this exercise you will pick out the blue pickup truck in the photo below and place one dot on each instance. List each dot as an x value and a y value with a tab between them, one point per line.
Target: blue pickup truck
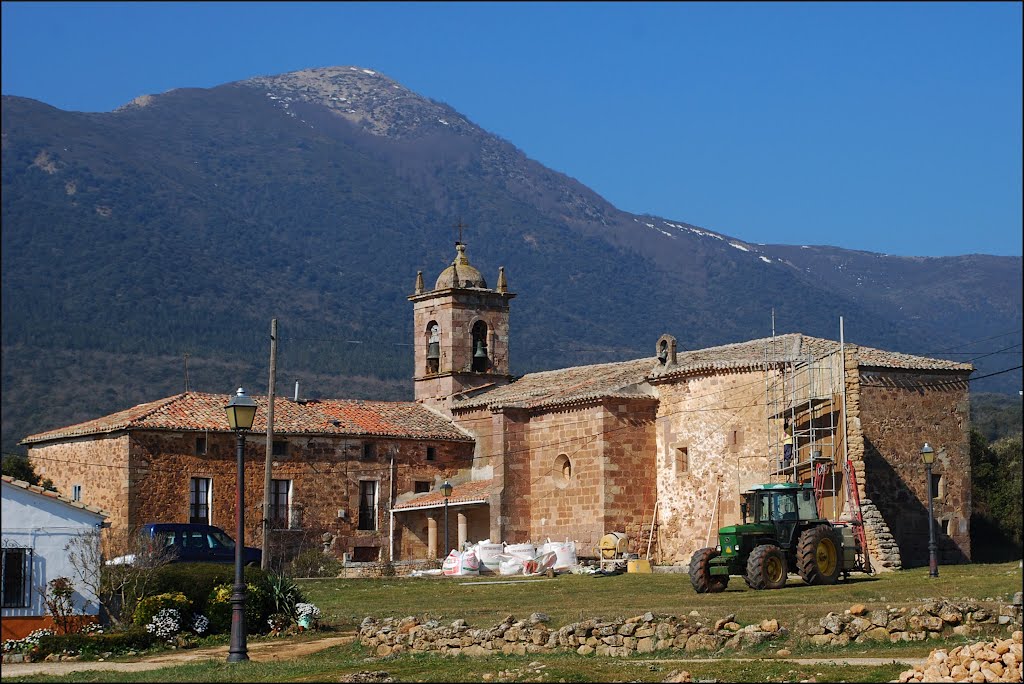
193	543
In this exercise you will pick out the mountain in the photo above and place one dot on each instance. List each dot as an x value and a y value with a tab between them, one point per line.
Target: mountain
182	223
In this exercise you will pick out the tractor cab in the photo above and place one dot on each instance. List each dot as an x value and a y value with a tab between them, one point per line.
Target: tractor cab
780	503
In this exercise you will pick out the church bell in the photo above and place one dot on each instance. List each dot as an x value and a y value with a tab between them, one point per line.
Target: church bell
481	352
433	351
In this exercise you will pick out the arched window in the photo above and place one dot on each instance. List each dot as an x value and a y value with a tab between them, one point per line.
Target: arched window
433	347
481	362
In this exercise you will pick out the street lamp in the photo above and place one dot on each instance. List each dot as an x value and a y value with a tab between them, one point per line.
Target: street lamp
446	491
928	457
241	411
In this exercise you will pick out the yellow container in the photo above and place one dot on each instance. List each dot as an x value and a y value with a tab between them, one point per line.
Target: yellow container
641	565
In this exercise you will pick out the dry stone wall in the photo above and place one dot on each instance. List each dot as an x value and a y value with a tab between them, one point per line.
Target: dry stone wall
993	661
690	634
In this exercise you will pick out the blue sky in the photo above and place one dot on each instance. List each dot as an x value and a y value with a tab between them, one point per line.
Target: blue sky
886	127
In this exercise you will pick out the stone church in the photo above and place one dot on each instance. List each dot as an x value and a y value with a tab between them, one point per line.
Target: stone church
660	448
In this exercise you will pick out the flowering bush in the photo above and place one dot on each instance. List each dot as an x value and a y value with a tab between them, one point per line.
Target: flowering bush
278	622
200	624
166	623
307	610
91	628
29	642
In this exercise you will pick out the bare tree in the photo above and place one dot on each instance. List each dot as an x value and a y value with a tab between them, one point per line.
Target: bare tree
121	583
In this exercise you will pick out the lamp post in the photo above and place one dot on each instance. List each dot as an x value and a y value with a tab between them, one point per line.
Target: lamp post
446	491
928	457
241	412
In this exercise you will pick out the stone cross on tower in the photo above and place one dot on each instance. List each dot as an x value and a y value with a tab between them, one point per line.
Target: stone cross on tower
460	225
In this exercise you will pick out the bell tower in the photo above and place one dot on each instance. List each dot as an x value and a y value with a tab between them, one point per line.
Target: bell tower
460	333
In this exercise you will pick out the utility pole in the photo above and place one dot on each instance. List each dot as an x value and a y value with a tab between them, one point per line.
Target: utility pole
270	445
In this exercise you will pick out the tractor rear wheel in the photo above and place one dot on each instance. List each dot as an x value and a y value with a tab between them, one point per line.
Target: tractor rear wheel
766	568
700	573
817	555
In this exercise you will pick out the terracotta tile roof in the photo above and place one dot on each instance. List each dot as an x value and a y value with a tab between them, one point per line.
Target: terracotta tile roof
54	495
205	412
578	384
794	347
467	492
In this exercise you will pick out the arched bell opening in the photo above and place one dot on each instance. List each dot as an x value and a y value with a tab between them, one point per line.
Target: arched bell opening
433	347
481	361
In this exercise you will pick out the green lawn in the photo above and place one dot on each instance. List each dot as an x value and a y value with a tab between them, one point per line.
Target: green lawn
569	598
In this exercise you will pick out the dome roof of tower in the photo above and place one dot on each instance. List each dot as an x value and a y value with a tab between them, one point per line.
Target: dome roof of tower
460	273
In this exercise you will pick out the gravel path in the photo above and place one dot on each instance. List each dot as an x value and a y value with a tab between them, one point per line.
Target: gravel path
260	652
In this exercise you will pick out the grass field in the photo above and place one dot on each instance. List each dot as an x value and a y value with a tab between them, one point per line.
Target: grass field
568	598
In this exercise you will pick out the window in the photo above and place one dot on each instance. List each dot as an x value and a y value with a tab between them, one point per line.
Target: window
199	500
280	500
369	450
433	347
682	460
366	554
17	577
937	486
200	446
431	453
280	448
420	487
367	505
735	440
76	492
561	471
479	349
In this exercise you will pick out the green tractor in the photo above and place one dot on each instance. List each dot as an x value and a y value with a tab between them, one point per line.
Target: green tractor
786	535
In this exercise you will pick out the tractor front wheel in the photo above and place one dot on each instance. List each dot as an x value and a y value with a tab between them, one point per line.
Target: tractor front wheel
700	573
766	568
817	555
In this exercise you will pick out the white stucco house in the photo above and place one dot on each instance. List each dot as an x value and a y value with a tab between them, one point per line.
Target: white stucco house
37	525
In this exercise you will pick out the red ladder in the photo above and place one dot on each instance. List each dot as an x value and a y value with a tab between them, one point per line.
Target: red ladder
858	519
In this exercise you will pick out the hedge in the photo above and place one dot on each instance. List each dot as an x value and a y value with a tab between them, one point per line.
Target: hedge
197	580
132	639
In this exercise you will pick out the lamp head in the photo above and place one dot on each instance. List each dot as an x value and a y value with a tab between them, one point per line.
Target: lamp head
241	411
446	489
927	454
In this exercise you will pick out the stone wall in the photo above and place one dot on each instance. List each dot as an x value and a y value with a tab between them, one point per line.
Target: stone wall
720	421
691	634
899	412
145	478
98	463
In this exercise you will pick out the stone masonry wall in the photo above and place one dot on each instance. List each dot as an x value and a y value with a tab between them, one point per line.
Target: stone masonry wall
882	549
325	474
720	421
561	507
899	412
630	475
98	463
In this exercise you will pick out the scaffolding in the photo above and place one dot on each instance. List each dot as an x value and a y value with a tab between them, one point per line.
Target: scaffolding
804	392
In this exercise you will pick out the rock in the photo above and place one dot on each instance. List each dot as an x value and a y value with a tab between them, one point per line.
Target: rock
538	618
832	622
858	609
703	642
678	676
770	625
584	650
732	626
645	645
783	653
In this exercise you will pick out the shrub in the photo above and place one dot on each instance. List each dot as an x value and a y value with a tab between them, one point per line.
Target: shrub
132	639
314	563
27	643
218	608
282	594
197	580
165	624
149	607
